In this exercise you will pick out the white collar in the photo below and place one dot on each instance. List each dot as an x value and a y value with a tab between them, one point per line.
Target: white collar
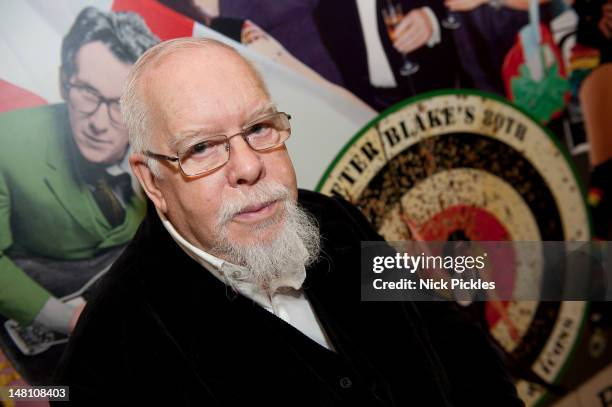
120	167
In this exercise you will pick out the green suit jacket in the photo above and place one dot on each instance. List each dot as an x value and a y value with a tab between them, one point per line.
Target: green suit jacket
46	209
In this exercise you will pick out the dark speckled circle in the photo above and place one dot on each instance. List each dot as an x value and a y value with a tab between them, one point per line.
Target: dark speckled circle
462	150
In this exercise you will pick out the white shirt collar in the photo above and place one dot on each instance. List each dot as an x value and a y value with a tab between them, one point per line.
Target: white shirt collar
227	272
121	167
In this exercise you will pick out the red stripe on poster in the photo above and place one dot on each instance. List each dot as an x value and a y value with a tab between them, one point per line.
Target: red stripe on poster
13	97
164	22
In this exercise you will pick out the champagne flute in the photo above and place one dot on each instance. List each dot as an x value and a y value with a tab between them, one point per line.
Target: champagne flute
392	15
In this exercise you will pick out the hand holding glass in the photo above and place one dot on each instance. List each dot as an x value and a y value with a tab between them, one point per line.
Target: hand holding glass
393	15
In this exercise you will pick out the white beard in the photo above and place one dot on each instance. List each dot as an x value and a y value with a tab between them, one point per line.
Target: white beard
270	264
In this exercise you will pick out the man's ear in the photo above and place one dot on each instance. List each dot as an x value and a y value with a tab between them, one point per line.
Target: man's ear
148	181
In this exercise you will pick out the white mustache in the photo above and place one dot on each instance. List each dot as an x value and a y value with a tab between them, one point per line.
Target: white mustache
261	194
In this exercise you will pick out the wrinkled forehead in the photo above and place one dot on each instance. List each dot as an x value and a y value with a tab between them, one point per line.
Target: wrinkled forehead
192	88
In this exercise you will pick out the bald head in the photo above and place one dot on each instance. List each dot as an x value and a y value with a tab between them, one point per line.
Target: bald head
167	74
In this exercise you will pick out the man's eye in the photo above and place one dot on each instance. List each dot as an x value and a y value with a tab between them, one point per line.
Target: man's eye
88	94
206	148
259	129
199	148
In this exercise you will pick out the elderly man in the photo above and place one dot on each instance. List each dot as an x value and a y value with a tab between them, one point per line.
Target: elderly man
240	290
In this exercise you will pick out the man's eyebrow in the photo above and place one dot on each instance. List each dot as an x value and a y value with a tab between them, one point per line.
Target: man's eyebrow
268	108
83	84
179	139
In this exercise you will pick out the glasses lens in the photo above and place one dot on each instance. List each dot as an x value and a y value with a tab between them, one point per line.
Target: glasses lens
269	132
114	111
204	155
87	101
83	99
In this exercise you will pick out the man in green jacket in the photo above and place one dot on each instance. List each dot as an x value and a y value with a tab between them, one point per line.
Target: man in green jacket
68	203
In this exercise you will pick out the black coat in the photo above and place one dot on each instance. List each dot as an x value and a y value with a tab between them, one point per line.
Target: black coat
163	329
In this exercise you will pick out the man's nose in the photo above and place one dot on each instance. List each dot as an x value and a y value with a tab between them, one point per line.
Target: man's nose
245	166
99	121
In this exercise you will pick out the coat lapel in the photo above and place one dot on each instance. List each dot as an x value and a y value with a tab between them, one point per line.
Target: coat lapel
65	184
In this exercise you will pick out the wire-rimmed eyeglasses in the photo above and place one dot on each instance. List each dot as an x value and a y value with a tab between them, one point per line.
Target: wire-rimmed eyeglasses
204	154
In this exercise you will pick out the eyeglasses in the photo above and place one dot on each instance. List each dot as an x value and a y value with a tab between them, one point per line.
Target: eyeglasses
87	100
204	154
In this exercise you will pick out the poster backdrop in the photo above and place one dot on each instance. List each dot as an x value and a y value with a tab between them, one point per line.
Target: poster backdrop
349	72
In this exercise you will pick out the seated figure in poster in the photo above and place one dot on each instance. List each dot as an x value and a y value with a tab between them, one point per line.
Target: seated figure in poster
68	202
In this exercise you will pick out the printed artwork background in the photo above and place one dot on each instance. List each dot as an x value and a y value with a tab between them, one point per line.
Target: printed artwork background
332	65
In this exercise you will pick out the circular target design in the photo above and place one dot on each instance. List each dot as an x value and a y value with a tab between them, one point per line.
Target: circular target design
463	165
